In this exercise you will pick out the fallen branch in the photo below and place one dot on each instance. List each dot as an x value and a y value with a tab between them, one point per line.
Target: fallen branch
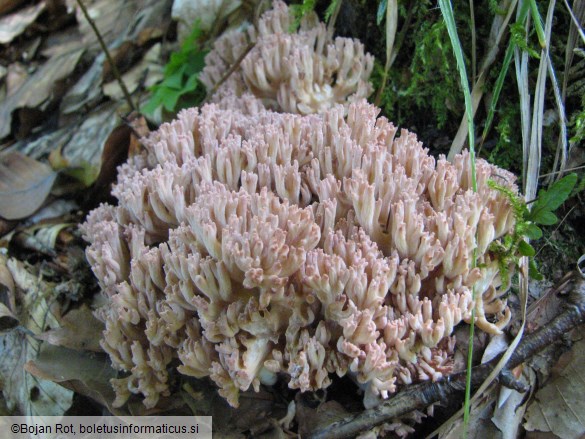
420	396
231	70
104	47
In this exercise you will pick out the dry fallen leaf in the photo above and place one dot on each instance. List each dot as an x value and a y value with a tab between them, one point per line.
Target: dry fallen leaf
546	307
311	418
38	93
146	72
114	154
7	288
480	425
122	142
124	57
16	75
559	407
7	319
24	185
14	24
5	228
7	298
254	414
86	93
85	373
496	346
31	395
508	415
40	238
9	5
90	136
111	17
79	330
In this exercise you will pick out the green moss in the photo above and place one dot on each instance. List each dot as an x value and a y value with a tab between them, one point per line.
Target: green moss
410	97
507	152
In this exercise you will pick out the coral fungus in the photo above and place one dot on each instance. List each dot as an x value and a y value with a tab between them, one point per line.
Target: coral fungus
302	72
250	245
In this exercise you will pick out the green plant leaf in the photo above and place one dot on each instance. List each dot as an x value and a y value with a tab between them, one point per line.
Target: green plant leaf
170	98
191	83
557	194
525	249
551	199
175	80
196	63
181	75
153	103
195	34
176	60
533	231
299	11
533	270
85	173
191	99
537	23
545	218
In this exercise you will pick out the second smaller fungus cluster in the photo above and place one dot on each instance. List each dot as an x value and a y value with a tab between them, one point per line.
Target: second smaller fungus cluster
301	72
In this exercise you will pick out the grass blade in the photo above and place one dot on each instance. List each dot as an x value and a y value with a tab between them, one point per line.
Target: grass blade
447	11
537	23
562	146
497	33
391	26
576	22
521	67
534	157
497	90
473	43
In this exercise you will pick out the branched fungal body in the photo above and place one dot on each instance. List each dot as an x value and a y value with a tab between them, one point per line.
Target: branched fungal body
251	245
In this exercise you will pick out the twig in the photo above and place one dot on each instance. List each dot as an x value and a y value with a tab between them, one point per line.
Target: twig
559	172
229	72
422	395
115	70
561	222
238	61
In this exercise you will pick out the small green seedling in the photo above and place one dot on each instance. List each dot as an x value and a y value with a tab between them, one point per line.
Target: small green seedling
528	222
180	87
